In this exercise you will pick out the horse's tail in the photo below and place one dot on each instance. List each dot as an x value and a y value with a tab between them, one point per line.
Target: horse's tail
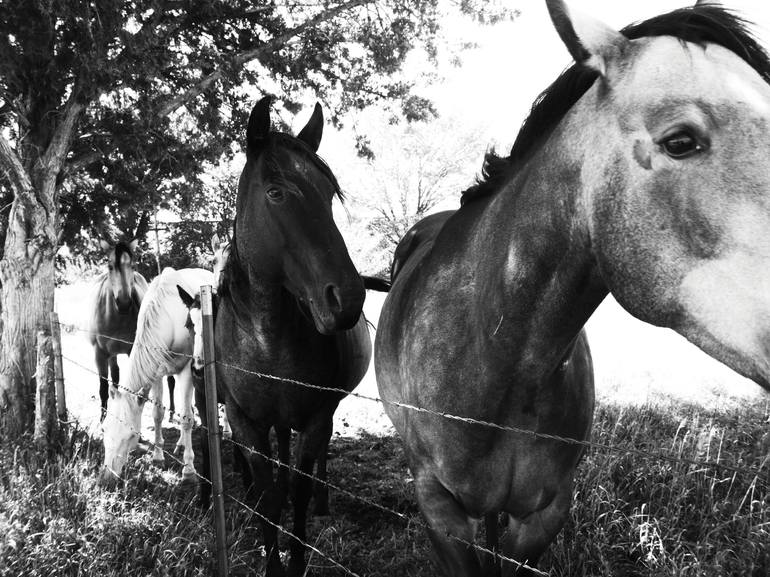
374	283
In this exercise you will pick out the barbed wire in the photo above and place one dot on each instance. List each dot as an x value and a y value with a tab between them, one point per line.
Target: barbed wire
495	554
243	505
371	503
757	473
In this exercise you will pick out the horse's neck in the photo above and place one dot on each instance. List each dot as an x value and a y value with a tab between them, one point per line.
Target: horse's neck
270	309
545	281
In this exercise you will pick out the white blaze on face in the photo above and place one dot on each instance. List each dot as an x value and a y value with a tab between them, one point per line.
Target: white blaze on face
729	296
121	427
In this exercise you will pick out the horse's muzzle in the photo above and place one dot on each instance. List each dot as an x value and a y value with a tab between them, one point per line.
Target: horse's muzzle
337	311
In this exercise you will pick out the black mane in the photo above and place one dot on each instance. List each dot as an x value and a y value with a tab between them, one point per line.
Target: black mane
699	25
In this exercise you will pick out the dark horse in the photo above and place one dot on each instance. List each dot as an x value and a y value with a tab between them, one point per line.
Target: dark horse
118	295
289	305
642	171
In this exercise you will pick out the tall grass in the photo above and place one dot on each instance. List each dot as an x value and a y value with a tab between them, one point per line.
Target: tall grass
631	516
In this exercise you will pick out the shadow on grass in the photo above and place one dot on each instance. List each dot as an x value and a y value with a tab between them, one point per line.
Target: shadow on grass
630	516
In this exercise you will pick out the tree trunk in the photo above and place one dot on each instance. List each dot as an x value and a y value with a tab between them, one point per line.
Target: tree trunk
27	271
27	267
27	274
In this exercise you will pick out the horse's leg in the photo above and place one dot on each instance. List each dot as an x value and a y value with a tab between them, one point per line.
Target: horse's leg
171	386
114	370
265	495
320	488
526	539
227	433
157	417
283	435
102	358
187	419
204	491
491	566
310	443
451	530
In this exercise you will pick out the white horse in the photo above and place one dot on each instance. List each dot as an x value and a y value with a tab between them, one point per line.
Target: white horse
162	347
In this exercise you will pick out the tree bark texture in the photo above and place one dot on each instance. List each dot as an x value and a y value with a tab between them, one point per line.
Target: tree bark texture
46	423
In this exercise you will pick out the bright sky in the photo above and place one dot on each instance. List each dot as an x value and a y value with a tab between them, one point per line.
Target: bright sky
497	83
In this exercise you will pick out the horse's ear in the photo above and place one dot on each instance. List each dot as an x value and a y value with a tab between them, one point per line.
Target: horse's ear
259	123
133	244
314	129
106	247
215	242
591	42
185	296
708	2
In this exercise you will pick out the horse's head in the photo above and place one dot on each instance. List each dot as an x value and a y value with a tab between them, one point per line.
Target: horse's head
121	427
285	230
674	165
221	250
120	259
194	325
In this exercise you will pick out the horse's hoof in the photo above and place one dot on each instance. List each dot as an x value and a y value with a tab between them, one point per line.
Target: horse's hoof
158	458
189	478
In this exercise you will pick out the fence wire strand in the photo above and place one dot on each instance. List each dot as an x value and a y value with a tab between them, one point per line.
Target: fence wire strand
757	473
469	420
366	501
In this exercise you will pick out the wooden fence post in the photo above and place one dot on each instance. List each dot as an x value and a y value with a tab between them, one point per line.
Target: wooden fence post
61	400
214	431
46	425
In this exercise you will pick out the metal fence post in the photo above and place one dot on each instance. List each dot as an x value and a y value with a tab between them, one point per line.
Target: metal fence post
61	401
214	431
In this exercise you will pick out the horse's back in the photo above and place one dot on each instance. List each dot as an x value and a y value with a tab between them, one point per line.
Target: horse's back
190	279
417	240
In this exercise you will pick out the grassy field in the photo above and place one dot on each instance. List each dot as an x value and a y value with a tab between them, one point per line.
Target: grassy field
631	515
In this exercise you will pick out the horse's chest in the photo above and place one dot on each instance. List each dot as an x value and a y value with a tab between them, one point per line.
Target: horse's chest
271	383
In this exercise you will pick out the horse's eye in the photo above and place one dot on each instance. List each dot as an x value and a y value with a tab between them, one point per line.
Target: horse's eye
681	145
274	194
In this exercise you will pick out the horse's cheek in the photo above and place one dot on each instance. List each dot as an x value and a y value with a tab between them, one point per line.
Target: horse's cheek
626	225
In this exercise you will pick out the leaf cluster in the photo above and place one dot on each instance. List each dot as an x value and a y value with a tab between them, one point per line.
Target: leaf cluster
167	84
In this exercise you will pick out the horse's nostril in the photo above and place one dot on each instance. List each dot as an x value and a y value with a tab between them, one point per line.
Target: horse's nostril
333	299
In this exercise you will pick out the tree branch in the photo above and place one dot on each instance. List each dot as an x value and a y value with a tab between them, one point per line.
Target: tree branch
54	156
249	55
77	164
10	164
